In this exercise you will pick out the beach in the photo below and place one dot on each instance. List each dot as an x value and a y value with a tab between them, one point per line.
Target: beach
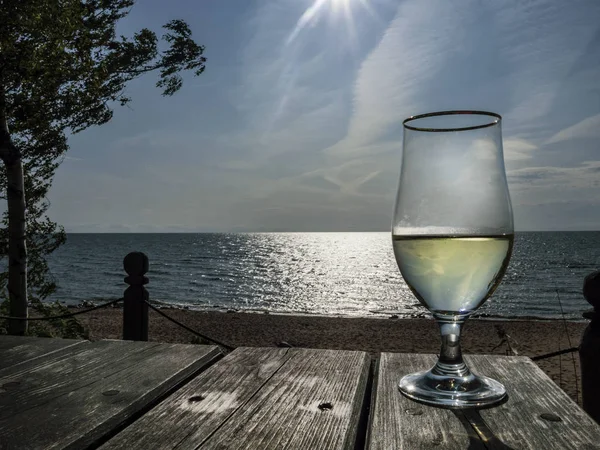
526	338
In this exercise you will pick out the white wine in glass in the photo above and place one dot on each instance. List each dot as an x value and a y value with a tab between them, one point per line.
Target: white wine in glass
452	235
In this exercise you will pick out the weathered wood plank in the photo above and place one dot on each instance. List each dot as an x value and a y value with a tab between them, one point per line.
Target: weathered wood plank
17	349
399	423
519	423
313	402
197	410
260	399
74	400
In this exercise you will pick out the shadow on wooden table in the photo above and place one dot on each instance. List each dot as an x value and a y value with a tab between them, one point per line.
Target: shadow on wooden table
480	436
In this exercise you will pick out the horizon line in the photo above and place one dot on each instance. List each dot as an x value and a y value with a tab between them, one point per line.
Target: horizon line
290	231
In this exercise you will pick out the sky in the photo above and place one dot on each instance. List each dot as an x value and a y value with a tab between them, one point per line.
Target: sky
296	124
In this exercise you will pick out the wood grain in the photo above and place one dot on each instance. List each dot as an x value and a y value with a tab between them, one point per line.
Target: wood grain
399	423
196	411
74	399
259	398
313	402
17	349
518	423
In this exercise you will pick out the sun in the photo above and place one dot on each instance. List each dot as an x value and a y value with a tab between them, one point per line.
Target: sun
339	4
334	9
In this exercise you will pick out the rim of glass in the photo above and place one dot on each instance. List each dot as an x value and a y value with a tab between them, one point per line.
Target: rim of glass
497	119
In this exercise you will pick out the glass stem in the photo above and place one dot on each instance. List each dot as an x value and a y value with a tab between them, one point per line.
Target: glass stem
450	362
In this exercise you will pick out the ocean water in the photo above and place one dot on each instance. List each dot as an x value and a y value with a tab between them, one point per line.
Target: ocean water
347	274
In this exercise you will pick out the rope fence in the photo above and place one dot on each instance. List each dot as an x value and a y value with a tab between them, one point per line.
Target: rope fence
135	305
114	302
191	330
557	353
215	341
63	316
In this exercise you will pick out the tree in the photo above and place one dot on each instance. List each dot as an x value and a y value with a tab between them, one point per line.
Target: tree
63	69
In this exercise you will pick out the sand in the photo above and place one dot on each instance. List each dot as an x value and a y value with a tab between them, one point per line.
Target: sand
527	338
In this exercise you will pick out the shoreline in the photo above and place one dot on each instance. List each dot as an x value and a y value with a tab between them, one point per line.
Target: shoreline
390	315
372	335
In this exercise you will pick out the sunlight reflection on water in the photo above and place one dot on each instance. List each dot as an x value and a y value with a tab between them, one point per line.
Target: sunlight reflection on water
319	273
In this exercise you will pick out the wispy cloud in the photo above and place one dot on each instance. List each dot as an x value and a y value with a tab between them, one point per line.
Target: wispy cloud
516	149
587	128
308	18
390	82
349	176
507	57
298	124
540	47
556	198
586	175
279	76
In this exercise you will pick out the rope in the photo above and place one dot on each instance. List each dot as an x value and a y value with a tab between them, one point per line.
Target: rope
63	316
228	347
559	352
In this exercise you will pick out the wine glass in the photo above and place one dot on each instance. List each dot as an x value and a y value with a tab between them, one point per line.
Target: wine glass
452	235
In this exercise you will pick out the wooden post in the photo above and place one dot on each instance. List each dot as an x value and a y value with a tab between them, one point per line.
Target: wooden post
135	309
589	349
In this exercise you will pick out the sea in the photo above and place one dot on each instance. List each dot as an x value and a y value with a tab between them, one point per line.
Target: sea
334	274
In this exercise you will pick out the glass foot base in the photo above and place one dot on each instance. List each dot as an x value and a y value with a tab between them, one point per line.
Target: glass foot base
469	391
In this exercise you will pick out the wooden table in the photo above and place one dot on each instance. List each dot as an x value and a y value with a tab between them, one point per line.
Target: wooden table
117	394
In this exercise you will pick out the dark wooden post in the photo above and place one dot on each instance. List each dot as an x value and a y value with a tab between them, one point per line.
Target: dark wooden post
589	349
135	309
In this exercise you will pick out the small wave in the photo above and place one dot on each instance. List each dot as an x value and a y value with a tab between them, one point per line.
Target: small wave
580	266
212	278
161	273
113	273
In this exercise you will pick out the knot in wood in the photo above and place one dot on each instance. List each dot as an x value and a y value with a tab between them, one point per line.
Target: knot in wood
110	393
591	289
136	263
550	417
136	280
325	406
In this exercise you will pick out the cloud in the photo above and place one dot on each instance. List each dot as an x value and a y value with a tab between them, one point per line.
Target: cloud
556	198
295	100
160	141
279	79
349	176
390	82
564	215
516	149
292	97
540	47
239	165
587	128
587	175
299	127
308	18
506	57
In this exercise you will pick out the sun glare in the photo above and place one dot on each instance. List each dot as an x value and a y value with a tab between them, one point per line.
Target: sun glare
334	9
